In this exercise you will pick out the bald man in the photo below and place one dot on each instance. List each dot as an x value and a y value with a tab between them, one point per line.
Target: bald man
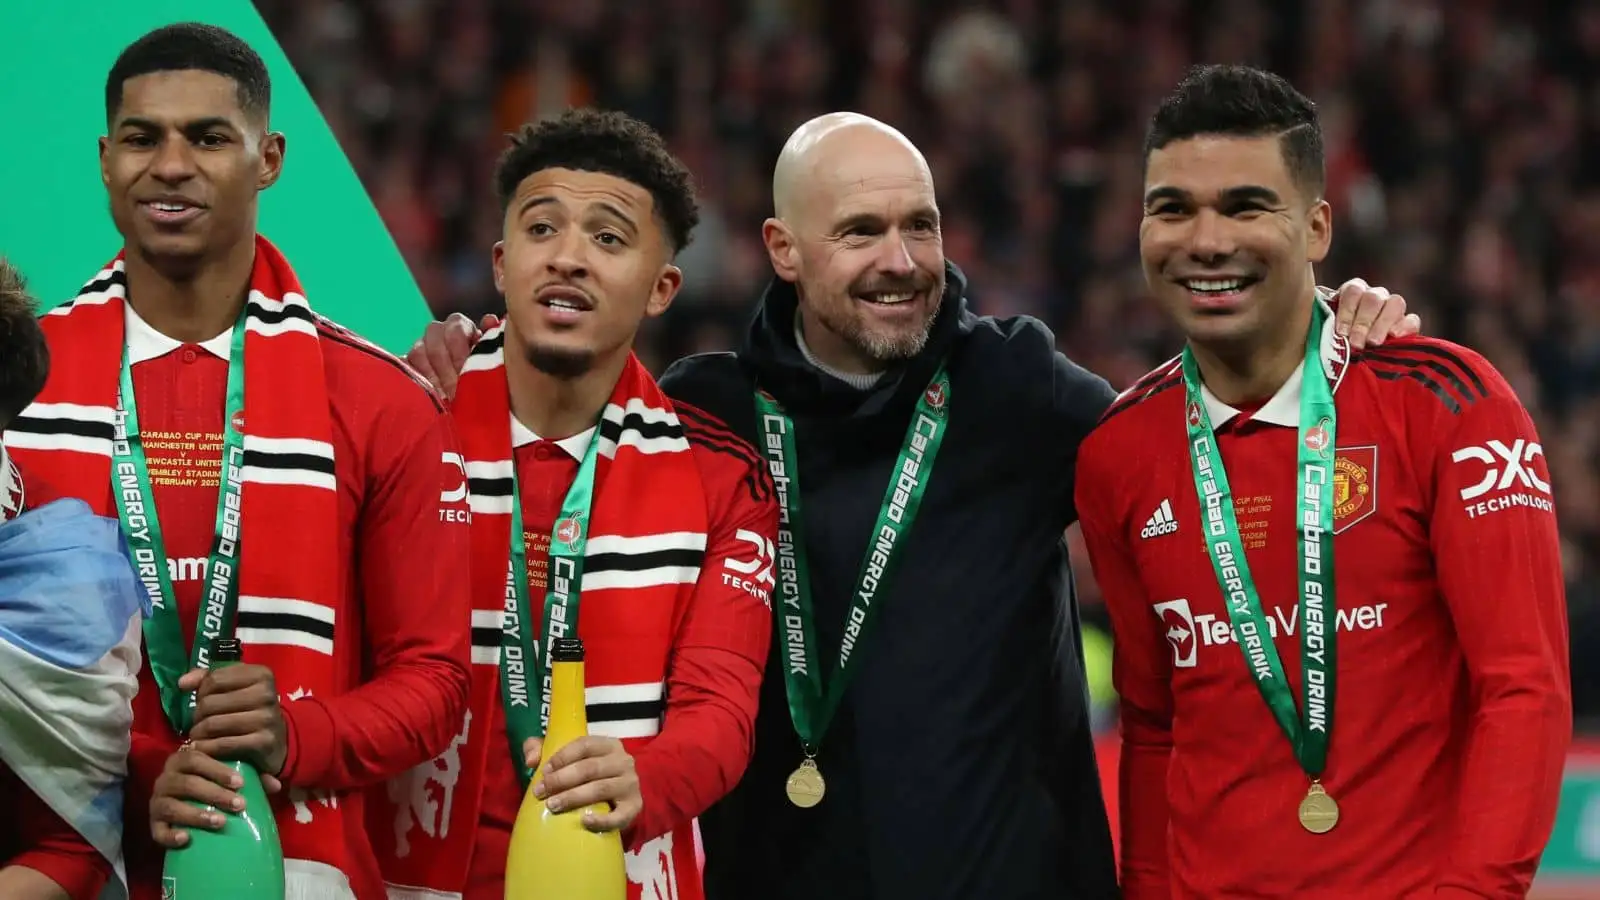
923	730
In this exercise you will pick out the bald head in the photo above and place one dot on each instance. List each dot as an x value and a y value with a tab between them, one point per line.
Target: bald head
856	231
826	144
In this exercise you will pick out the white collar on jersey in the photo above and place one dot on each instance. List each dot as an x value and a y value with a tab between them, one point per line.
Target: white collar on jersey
145	343
575	446
1284	407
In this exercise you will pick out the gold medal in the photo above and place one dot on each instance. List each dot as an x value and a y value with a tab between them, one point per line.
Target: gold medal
1318	811
805	786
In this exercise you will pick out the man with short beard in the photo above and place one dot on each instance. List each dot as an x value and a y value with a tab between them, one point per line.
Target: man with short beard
923	458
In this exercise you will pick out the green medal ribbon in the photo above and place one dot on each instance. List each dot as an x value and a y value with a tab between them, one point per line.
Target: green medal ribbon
521	659
136	509
810	709
1309	733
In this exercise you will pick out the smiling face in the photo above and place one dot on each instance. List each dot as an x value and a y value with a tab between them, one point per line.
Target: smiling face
1228	237
863	246
183	164
582	262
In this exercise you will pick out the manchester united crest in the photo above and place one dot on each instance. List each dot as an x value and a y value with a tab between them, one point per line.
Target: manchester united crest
1355	485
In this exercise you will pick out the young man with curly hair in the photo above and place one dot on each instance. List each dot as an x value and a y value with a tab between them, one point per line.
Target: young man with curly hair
587	482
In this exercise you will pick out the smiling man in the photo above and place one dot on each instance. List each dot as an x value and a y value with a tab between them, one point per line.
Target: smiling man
662	519
1334	577
928	698
295	474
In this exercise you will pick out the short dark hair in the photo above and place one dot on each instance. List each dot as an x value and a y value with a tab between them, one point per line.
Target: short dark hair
610	142
1241	101
24	356
194	46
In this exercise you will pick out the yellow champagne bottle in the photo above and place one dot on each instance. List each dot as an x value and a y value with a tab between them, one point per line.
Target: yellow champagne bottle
553	856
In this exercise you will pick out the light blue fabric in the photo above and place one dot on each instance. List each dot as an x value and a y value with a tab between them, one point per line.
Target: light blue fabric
67	588
71	608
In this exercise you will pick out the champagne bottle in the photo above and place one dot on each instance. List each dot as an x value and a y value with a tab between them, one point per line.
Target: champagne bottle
242	861
553	856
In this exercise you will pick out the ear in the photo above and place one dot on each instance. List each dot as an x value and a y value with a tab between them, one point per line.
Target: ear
782	249
105	164
1319	231
665	290
497	258
273	146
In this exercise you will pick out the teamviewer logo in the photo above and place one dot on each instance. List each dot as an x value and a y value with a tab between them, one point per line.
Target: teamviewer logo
1179	623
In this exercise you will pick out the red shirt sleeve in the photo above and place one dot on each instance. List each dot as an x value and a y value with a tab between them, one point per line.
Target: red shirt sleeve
1498	563
52	848
1142	675
412	558
718	655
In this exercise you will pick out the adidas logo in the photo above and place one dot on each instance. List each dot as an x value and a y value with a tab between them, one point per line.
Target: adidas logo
1160	522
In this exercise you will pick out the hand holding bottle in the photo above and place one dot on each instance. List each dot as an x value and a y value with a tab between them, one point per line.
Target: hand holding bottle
237	715
237	852
589	770
565	845
191	775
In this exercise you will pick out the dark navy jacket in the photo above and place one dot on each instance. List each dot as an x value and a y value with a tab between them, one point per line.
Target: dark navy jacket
960	763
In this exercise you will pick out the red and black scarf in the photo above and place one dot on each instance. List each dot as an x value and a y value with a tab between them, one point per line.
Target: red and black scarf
647	540
291	575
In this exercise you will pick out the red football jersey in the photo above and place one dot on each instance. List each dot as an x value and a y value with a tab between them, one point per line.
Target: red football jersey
719	645
1452	712
391	440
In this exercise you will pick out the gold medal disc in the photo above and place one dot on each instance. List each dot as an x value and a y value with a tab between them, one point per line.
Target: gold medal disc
1318	811
805	786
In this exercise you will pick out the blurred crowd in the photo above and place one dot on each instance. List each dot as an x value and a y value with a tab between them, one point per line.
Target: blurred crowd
1463	151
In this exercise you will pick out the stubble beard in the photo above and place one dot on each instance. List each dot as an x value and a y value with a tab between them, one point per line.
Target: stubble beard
885	346
560	362
891	347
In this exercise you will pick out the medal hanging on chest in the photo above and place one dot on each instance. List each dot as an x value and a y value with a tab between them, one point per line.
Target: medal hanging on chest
805	786
1309	729
810	708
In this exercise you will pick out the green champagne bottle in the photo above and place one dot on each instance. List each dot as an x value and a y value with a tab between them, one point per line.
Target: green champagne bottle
242	861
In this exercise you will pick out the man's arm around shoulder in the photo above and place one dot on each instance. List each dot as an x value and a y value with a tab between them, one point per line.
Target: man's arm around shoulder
1070	398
